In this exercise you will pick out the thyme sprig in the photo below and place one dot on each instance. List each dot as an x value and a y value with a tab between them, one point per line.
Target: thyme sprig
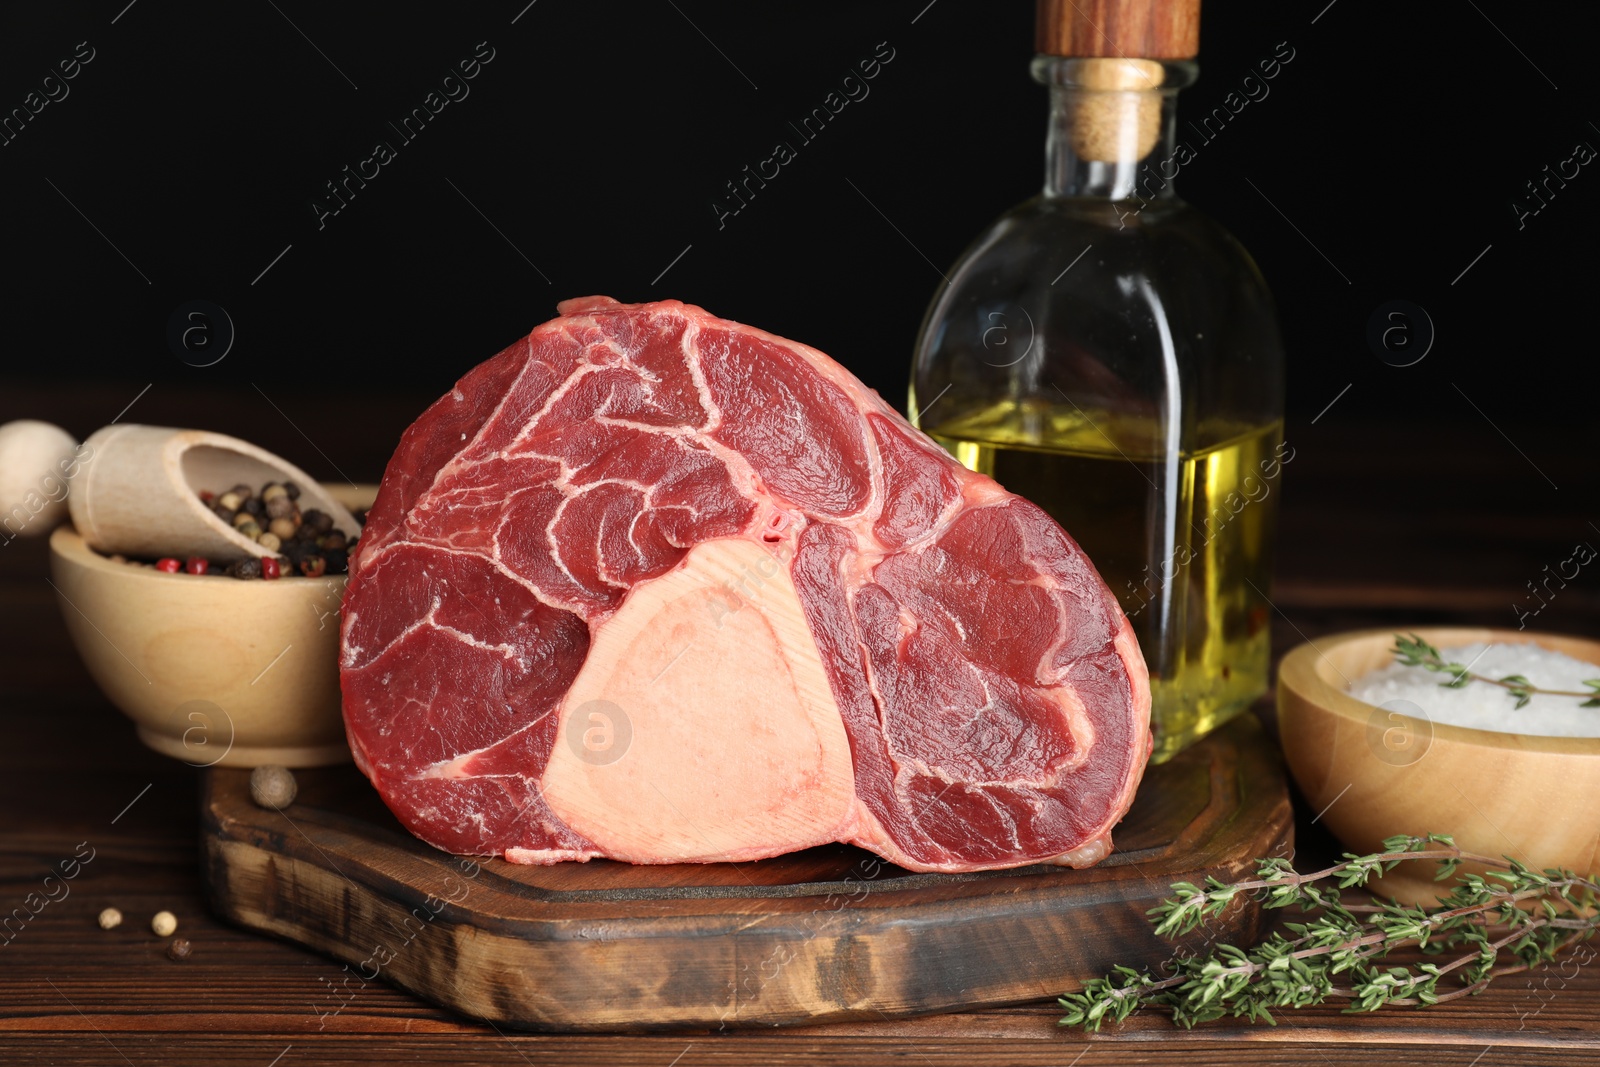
1341	951
1413	651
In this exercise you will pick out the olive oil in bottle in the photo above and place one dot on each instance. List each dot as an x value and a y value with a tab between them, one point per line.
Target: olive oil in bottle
1111	354
1199	612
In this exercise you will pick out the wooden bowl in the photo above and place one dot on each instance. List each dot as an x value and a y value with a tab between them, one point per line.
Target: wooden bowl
1372	773
213	670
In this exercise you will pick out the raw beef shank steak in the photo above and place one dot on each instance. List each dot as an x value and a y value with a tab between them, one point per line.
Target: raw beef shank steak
659	587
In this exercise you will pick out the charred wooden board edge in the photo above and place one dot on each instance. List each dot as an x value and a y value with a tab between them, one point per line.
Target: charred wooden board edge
628	962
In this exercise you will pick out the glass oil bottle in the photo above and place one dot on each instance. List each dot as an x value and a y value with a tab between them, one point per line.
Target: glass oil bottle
1110	353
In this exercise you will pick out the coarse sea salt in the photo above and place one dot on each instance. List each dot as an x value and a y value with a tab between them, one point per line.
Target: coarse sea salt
1482	706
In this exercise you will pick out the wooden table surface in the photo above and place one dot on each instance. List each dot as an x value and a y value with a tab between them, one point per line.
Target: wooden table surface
1361	545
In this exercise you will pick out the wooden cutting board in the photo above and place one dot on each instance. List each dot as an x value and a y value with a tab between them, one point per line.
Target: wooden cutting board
827	934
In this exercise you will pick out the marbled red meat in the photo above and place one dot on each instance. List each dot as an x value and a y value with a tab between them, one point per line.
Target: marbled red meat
655	586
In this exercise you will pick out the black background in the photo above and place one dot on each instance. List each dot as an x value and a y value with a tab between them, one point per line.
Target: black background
593	145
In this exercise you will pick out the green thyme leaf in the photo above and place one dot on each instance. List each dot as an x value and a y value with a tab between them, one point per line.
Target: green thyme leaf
1509	918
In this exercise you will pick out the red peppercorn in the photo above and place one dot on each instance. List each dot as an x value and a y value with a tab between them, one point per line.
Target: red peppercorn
169	565
313	566
207	496
197	565
269	567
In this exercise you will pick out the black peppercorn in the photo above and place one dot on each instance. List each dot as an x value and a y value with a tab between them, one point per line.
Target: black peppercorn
306	543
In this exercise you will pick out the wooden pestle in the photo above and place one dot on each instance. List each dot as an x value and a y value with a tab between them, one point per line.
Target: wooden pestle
37	465
139	494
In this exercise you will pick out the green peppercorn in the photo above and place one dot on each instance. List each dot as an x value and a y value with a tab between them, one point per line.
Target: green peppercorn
243	518
251	528
269	541
230	501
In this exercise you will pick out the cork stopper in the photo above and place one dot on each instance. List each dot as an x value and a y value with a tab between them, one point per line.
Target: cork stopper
1116	109
1140	29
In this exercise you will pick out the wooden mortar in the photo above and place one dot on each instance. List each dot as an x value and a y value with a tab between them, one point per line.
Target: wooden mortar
212	671
138	493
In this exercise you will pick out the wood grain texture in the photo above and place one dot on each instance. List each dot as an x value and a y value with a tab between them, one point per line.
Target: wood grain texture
1354	551
1128	29
826	934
